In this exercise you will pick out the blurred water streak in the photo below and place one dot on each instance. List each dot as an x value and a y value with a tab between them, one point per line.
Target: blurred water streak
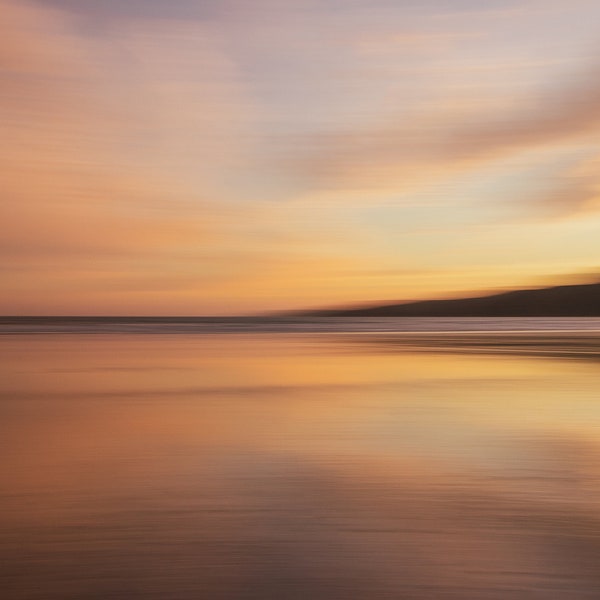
263	465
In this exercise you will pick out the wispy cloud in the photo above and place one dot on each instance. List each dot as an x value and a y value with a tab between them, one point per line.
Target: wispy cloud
203	151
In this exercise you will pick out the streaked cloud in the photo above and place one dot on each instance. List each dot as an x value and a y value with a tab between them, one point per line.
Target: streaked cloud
222	156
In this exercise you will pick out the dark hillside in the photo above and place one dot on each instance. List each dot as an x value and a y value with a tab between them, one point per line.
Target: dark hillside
560	301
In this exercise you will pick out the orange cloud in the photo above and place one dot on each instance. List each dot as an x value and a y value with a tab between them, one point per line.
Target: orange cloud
98	190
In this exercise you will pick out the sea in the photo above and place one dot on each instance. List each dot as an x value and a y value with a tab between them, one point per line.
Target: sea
176	458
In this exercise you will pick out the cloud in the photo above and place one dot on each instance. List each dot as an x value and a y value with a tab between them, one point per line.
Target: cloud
111	10
80	164
154	149
113	158
35	40
439	142
573	192
559	116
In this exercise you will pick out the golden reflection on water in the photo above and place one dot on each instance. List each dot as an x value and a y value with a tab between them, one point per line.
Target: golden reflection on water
247	466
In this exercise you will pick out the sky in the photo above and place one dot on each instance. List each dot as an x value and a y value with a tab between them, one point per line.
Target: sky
244	156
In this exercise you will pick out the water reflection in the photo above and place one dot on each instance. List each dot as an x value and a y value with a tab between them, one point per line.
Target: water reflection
294	467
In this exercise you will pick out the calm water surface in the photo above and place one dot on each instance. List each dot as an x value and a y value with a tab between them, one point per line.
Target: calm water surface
300	465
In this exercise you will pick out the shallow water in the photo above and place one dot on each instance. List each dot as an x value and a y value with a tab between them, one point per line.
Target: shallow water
291	324
263	465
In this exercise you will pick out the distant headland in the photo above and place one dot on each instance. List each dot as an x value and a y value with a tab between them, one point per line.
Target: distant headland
581	300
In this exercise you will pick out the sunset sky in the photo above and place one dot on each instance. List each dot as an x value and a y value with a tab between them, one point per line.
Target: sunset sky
236	156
